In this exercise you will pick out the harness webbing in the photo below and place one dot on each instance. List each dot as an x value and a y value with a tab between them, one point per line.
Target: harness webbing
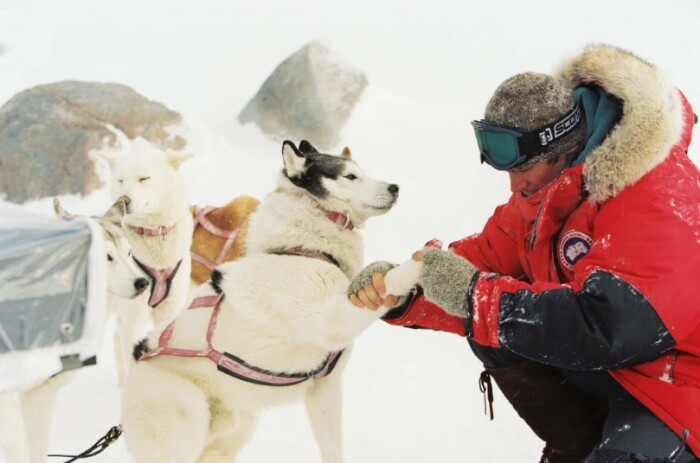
161	280
303	252
200	219
229	363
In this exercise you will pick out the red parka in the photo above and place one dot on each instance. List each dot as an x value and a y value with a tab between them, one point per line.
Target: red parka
600	269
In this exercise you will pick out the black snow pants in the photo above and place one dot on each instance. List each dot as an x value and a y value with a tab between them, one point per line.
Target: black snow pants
630	432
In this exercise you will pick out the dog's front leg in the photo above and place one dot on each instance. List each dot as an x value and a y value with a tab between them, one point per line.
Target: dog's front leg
13	439
37	405
324	407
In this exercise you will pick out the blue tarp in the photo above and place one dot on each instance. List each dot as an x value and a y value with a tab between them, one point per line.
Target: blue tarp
51	292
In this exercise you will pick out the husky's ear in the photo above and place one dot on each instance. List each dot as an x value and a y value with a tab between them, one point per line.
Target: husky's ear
306	147
116	213
176	158
346	153
109	156
294	160
60	211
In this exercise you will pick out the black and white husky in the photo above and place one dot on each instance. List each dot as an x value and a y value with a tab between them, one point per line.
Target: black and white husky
272	327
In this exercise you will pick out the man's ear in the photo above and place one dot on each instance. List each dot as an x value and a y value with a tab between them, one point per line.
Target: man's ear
176	158
294	160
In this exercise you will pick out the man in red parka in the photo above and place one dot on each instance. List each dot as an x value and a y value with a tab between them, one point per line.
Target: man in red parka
580	296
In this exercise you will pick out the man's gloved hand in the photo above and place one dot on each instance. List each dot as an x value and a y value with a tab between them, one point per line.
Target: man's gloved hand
445	278
363	281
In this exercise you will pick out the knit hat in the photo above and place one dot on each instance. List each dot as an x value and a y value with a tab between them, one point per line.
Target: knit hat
529	101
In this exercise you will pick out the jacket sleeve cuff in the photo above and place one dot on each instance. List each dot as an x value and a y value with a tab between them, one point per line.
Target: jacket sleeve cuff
417	312
396	314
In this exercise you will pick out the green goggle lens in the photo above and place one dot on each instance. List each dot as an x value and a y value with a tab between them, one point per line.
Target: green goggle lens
498	145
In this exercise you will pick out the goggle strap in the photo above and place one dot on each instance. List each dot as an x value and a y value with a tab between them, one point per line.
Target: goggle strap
538	140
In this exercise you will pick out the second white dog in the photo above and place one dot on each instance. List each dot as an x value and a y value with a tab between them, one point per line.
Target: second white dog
158	223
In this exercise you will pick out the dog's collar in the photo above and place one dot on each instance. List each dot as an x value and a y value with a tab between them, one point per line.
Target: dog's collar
160	231
334	216
341	219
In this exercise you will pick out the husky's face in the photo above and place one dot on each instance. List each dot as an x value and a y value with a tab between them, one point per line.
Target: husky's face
148	179
124	278
337	182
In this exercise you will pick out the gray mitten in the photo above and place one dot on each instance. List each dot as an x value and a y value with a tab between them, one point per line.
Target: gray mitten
364	276
445	279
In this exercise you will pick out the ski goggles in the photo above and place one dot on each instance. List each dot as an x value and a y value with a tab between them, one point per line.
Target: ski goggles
505	148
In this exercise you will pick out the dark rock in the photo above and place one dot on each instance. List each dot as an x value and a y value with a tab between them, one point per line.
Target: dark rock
46	133
310	95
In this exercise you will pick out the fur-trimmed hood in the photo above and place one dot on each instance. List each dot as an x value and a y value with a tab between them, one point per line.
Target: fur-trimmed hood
655	117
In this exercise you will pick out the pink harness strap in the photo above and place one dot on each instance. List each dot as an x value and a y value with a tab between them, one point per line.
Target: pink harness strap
200	218
340	218
160	231
160	281
230	364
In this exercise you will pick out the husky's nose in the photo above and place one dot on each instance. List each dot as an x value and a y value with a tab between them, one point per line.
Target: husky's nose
393	189
140	284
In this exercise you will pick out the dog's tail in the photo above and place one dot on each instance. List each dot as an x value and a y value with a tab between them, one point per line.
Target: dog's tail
165	416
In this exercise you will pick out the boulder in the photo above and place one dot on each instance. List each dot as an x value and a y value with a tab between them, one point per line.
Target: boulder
47	132
310	95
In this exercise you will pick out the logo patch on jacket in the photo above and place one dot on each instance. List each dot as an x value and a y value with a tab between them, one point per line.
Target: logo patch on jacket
573	246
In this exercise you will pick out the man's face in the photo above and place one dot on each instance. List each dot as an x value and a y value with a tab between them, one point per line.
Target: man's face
528	180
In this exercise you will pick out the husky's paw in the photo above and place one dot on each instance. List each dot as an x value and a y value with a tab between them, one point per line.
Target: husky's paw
400	280
364	276
445	279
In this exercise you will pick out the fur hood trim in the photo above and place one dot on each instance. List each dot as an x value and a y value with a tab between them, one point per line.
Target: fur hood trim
652	117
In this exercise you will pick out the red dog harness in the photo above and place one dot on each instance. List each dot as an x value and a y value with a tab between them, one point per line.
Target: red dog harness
230	364
160	281
160	231
200	218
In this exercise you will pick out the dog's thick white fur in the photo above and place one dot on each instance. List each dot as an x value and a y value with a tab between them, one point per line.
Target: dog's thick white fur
283	313
25	415
148	179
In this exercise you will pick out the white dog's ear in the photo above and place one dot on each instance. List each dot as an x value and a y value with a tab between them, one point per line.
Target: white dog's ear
109	156
115	214
60	211
294	160
176	158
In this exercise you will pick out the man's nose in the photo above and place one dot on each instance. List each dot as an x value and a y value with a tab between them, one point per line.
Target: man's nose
517	182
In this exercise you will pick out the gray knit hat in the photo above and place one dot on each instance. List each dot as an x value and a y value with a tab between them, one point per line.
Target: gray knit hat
529	101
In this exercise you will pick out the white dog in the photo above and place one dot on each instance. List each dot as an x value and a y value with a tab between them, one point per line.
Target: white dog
158	223
269	328
25	416
125	283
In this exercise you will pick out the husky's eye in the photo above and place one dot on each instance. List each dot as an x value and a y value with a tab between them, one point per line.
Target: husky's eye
351	177
143	179
109	258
